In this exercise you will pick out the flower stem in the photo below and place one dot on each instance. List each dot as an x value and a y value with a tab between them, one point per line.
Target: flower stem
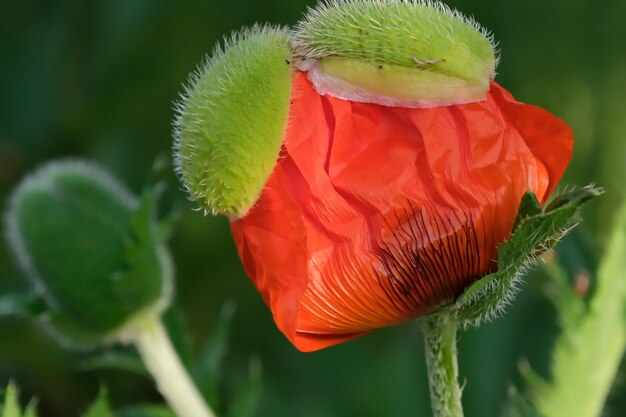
172	380
441	362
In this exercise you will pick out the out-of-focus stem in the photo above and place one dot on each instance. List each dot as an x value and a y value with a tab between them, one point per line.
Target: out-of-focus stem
170	376
441	362
589	350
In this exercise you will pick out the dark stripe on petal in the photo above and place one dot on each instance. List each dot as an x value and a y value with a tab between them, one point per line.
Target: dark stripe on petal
428	258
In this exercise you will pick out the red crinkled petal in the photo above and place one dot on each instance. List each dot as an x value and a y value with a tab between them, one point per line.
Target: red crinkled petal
376	215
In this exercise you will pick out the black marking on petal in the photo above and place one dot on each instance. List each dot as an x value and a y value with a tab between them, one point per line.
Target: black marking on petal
428	258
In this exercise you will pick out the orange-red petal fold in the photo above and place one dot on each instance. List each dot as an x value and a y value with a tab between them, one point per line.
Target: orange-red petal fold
375	215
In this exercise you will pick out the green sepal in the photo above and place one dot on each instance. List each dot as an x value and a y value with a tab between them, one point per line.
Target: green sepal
92	251
399	53
232	118
535	233
528	207
573	197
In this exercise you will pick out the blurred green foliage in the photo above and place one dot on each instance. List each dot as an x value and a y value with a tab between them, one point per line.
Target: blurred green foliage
97	79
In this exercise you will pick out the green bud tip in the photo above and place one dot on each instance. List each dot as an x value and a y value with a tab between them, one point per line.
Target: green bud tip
231	120
410	53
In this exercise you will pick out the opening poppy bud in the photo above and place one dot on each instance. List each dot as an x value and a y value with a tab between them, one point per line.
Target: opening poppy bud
92	251
232	118
376	215
408	53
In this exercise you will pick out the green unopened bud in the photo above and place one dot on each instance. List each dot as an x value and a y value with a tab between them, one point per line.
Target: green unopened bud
232	119
409	53
93	252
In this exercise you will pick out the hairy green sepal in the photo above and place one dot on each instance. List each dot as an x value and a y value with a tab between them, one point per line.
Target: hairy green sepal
537	230
395	52
93	252
232	119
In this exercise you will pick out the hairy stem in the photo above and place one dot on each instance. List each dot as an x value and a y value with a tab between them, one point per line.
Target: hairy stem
441	362
172	380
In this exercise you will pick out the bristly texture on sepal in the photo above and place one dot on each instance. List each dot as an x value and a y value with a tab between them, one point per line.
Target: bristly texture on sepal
537	230
92	251
231	120
409	53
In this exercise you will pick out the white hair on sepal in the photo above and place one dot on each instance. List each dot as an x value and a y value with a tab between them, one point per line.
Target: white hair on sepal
399	53
306	31
195	77
228	101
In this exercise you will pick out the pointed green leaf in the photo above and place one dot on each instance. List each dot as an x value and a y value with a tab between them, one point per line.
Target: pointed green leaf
145	257
247	397
534	234
11	407
100	406
208	371
30	410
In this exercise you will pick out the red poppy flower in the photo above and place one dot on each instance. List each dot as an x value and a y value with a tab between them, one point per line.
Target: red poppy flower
376	215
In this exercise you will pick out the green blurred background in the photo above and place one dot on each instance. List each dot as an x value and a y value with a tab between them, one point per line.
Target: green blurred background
97	79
